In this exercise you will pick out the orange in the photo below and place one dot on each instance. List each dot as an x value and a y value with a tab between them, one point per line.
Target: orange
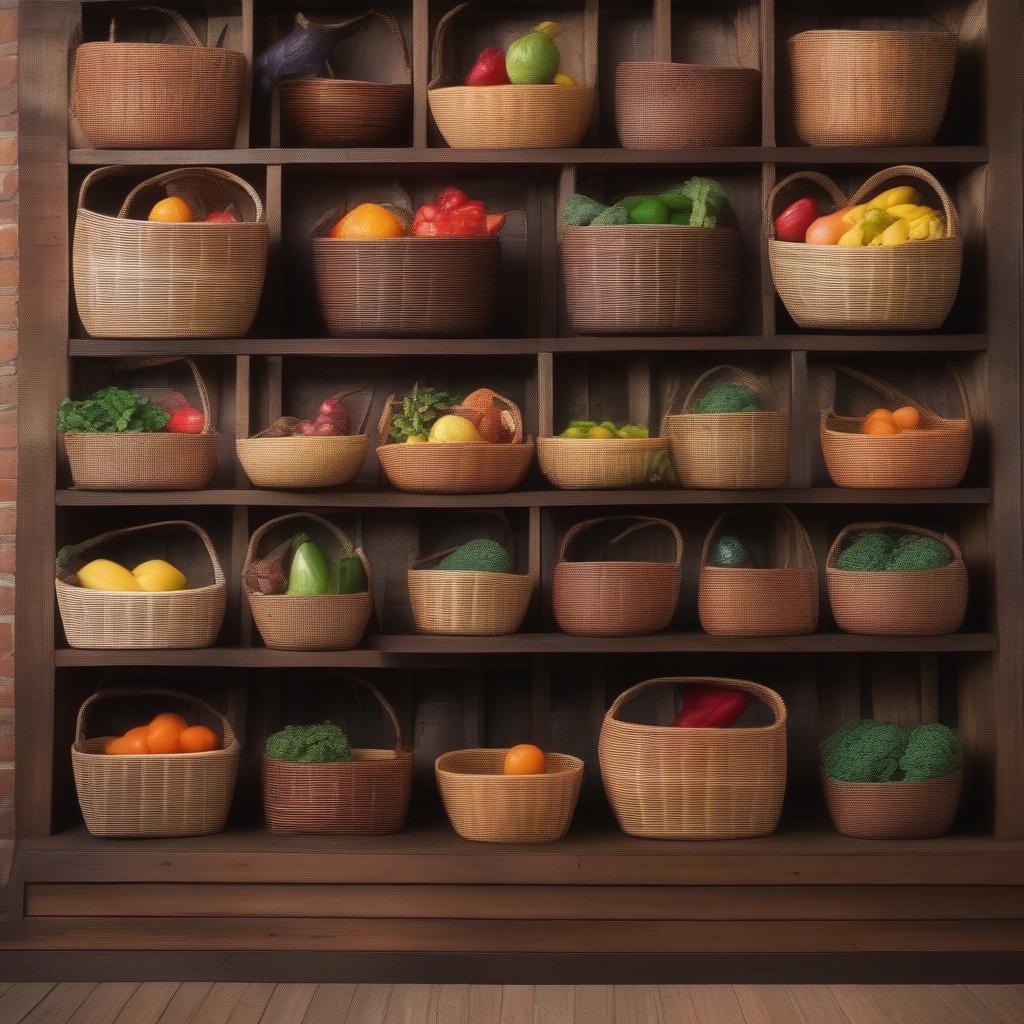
163	732
907	418
197	738
368	220
879	412
172	210
525	759
118	745
170	716
134	740
879	425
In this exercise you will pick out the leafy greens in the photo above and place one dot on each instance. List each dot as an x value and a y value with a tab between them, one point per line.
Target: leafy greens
420	408
111	411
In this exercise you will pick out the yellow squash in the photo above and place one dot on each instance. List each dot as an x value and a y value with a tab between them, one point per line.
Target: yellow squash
158	576
103	574
895	197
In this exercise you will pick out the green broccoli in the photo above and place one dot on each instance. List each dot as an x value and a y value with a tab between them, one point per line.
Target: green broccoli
728	398
323	743
914	553
864	751
614	215
710	201
581	210
478	556
932	751
870	552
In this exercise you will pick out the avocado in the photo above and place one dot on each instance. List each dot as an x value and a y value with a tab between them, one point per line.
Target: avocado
478	556
730	552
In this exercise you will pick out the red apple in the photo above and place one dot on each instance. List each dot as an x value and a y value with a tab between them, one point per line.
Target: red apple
221	217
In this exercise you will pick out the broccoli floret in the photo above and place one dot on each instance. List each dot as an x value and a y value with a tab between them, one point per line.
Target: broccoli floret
870	552
914	553
932	751
728	398
864	751
614	215
581	210
324	743
478	556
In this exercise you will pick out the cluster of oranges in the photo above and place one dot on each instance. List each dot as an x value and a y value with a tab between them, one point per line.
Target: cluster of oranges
891	421
168	733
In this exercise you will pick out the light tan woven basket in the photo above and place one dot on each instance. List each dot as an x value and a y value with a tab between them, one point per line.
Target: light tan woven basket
487	806
138	279
668	782
137	796
331	622
778	600
927	602
157	95
859	87
729	450
591	463
128	620
934	455
616	598
909	287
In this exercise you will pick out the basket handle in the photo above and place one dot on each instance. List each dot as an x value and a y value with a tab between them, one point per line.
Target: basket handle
200	385
368	389
781	512
305	22
823	181
184	27
742	376
382	700
910	171
893	394
167	177
837	544
98	175
640	523
335	531
492	512
438	53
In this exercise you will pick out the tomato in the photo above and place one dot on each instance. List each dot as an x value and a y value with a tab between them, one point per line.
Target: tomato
525	759
197	739
827	230
186	419
791	225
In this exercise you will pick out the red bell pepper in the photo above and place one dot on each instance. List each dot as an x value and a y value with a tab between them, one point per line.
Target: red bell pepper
453	215
710	707
489	69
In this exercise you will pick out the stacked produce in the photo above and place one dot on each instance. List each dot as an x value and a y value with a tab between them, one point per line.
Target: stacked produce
882	421
167	733
155	576
452	214
696	203
532	59
876	551
870	751
310	573
429	415
114	410
332	420
602	430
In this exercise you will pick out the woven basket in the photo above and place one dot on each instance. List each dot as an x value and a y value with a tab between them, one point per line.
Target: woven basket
928	602
140	796
933	455
130	620
138	279
156	95
909	287
870	87
665	782
729	450
616	598
368	796
331	622
661	105
778	601
487	806
651	279
572	463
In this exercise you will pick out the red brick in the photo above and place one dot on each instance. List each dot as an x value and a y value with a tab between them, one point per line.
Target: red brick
7	817
8	490
6	693
8	185
8	26
8	266
8	348
8	70
8	396
6	781
8	243
8	520
8	151
8	425
6	637
8	464
7	557
6	600
6	668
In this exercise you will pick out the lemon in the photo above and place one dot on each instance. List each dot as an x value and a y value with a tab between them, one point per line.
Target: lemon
415	439
453	429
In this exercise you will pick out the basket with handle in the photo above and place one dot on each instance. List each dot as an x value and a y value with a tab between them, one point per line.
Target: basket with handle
149	461
616	597
153	795
935	454
126	620
503	116
729	450
367	796
909	287
924	602
136	278
129	95
303	622
668	782
776	600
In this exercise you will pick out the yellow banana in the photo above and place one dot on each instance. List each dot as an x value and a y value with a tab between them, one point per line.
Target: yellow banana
896	233
563	79
895	197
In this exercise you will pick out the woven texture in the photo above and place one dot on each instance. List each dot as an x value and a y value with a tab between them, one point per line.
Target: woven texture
153	795
487	806
588	463
927	602
665	782
869	87
467	603
894	810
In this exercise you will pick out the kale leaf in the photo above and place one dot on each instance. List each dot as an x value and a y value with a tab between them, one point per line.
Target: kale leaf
111	411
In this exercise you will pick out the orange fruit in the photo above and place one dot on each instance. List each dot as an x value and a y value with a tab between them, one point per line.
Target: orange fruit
118	745
134	740
197	738
172	210
163	732
170	716
906	417
525	759
368	220
879	412
879	425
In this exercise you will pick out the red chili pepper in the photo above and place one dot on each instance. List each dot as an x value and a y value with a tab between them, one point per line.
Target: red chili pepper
710	707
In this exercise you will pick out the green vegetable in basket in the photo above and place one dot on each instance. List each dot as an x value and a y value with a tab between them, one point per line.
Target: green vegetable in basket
650	211
614	215
420	408
310	573
869	751
580	211
323	743
870	552
932	751
914	553
710	201
731	553
728	398
480	555
875	551
111	411
348	575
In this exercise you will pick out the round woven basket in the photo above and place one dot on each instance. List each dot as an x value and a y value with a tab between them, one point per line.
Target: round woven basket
666	782
909	287
157	95
616	598
572	463
487	806
933	455
146	796
928	602
296	622
781	600
128	620
136	278
859	87
661	105
651	279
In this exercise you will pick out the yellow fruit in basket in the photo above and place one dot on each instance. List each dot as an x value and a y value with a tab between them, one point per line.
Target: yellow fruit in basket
158	575
103	574
172	210
369	220
452	429
599	433
416	439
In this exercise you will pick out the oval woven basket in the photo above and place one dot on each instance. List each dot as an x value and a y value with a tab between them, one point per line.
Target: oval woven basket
780	600
662	105
147	796
651	279
572	463
860	87
157	95
666	782
129	620
616	598
909	287
487	806
367	796
299	622
135	278
934	455
927	602
729	450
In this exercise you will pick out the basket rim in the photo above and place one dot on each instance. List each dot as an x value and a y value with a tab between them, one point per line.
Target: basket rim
688	66
948	777
518	577
230	748
483	90
458	446
399	754
915	245
873	33
637	229
596	443
411	239
151	594
850	529
123	45
573	766
149	435
303	438
319	80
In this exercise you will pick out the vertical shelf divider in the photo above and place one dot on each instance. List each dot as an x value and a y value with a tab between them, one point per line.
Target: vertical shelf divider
421	71
662	30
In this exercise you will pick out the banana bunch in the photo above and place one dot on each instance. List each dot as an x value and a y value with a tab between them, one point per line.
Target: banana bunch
892	218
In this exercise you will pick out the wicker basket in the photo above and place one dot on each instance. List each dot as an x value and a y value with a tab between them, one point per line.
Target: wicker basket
665	782
572	463
870	87
331	622
909	287
729	450
138	279
368	796
487	806
131	620
140	796
781	600
651	279
927	602
157	95
661	105
933	455
616	598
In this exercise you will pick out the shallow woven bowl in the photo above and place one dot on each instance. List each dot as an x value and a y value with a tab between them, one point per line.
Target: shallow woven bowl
339	112
457	603
894	810
141	462
590	463
455	468
291	463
